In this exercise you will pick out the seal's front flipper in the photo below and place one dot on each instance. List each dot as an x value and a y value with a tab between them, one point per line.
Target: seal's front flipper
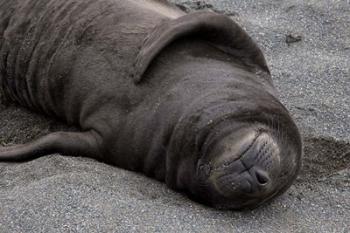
69	143
219	30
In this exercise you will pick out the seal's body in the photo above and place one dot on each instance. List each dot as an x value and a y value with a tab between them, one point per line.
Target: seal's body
184	98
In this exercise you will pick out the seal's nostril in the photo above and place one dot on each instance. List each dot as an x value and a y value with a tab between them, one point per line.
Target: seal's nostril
261	177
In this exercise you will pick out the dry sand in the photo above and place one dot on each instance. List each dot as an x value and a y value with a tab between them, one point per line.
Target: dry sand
307	46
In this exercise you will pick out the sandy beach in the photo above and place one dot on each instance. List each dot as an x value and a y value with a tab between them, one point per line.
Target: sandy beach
307	48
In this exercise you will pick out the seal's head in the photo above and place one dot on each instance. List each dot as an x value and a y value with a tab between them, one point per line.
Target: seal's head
233	144
246	164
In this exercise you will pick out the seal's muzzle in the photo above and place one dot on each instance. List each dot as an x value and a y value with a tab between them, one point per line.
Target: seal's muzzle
244	168
252	173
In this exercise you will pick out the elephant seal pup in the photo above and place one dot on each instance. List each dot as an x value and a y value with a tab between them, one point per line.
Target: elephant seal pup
184	98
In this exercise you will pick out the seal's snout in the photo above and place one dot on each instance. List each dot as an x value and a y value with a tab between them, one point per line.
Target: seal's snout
247	168
253	183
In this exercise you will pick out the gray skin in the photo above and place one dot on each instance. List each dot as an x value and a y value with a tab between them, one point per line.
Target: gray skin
184	98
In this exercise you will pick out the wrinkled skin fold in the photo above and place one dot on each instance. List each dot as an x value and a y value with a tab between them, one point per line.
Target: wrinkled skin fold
184	98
